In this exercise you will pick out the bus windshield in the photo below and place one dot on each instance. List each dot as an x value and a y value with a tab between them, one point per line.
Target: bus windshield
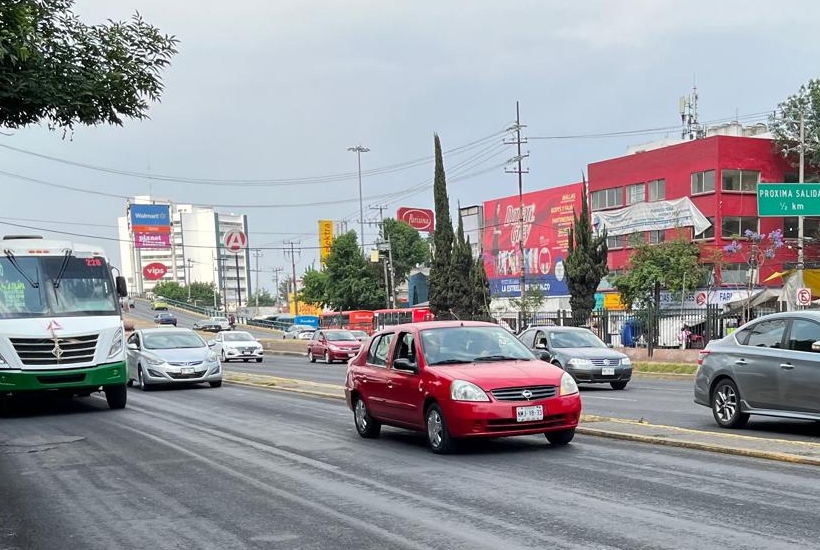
51	286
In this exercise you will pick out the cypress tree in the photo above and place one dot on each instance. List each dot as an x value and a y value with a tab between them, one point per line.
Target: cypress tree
586	261
439	279
461	283
481	291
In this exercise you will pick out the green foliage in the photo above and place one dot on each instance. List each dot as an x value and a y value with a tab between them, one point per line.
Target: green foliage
586	262
171	290
264	299
57	69
352	282
408	248
785	123
201	293
439	280
528	303
314	287
480	291
461	281
668	263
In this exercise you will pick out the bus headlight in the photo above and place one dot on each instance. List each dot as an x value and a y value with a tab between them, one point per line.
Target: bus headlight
116	345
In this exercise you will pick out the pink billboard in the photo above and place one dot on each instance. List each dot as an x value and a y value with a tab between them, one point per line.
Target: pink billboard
152	240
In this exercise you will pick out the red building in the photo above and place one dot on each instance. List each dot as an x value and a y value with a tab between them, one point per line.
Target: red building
719	174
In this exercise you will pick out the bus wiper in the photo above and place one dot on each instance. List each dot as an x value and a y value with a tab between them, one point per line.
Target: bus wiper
13	261
63	267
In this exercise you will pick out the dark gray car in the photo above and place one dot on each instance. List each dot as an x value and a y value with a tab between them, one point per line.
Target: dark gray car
582	354
770	366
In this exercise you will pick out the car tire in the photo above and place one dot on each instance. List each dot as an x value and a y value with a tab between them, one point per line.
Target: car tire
258	359
216	384
224	359
130	382
116	396
367	426
311	357
438	435
619	385
560	438
141	380
725	402
328	360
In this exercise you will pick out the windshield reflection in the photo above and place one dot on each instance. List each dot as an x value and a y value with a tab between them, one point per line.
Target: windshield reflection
454	345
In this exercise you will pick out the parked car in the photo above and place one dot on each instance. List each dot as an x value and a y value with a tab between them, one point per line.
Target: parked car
360	335
237	345
581	353
770	367
171	356
299	332
212	324
333	345
165	318
459	379
159	304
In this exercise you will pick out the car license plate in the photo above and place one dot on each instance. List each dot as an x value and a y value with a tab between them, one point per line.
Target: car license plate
608	371
187	370
528	414
351	354
246	353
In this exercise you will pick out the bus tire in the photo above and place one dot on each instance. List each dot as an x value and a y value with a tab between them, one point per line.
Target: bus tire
116	396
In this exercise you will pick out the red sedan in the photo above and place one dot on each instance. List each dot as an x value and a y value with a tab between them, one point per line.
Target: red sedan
459	379
333	345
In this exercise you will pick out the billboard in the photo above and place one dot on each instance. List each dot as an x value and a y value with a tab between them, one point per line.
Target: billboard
420	219
154	271
150	218
547	220
159	241
325	239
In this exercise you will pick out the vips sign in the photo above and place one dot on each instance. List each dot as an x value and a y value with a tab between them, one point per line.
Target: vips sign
420	219
150	218
547	219
325	239
154	271
161	241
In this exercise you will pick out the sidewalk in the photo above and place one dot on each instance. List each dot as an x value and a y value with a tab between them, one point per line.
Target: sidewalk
729	442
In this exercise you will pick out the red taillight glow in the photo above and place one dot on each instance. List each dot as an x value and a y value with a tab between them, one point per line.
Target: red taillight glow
701	356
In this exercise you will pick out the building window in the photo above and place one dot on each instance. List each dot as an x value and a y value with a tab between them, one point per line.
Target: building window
655	237
615	243
635	193
734	274
703	182
740	180
811	228
735	226
657	190
607	198
709	232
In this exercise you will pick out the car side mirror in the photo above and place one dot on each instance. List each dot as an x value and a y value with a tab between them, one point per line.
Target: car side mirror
133	346
404	364
211	343
544	356
815	346
540	345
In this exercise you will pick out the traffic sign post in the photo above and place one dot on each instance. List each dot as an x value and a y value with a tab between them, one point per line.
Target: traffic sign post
788	199
803	296
235	242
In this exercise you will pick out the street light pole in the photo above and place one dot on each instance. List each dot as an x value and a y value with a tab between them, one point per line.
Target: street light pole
358	149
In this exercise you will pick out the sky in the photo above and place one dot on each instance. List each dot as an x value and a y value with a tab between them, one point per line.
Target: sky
266	97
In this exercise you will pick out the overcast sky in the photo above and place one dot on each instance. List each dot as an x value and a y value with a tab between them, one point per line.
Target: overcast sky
278	90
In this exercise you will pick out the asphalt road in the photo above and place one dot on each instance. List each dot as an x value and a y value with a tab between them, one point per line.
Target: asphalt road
239	467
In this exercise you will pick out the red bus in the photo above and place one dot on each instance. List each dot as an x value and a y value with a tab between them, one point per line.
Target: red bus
391	317
351	320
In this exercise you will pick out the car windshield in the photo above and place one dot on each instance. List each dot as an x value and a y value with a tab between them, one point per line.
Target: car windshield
300	328
172	340
238	337
471	344
575	339
340	335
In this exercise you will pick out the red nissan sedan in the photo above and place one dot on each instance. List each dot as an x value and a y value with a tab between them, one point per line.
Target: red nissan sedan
459	379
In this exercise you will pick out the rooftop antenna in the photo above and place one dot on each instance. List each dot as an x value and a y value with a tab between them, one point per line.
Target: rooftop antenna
688	107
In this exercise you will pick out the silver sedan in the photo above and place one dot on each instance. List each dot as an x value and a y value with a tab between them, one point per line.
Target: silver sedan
237	344
158	356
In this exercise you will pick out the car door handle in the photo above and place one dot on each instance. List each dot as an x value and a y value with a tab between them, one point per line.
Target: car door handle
390	384
786	366
740	362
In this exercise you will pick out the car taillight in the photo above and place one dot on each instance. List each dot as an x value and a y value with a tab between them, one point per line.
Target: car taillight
701	356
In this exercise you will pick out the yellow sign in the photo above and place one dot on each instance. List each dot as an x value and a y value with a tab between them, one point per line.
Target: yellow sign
304	309
612	301
325	239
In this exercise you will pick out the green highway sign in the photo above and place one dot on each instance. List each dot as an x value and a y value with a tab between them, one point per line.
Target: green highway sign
788	199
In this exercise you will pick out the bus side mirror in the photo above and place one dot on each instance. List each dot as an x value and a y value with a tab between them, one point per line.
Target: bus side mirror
122	286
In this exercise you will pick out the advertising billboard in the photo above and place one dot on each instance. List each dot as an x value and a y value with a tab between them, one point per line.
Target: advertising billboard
325	239
150	218
547	220
158	241
420	219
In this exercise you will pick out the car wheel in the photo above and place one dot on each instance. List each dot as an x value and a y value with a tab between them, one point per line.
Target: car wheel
367	426
224	359
141	379
726	405
438	436
216	384
560	438
116	396
130	382
618	385
311	357
327	357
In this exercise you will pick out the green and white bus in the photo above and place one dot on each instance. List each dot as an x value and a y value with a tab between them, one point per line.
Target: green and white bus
61	325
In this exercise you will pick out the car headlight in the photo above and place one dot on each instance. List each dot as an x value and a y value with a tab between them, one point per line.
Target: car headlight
332	347
212	358
578	362
461	390
568	385
626	362
116	345
153	360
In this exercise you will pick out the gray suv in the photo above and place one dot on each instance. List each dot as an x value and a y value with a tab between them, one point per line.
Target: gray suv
770	366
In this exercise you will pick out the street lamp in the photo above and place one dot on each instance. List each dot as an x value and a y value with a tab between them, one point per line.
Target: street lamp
359	150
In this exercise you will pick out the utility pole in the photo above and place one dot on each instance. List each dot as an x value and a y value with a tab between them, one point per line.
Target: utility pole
389	273
358	149
257	253
801	179
190	263
276	272
520	171
292	252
